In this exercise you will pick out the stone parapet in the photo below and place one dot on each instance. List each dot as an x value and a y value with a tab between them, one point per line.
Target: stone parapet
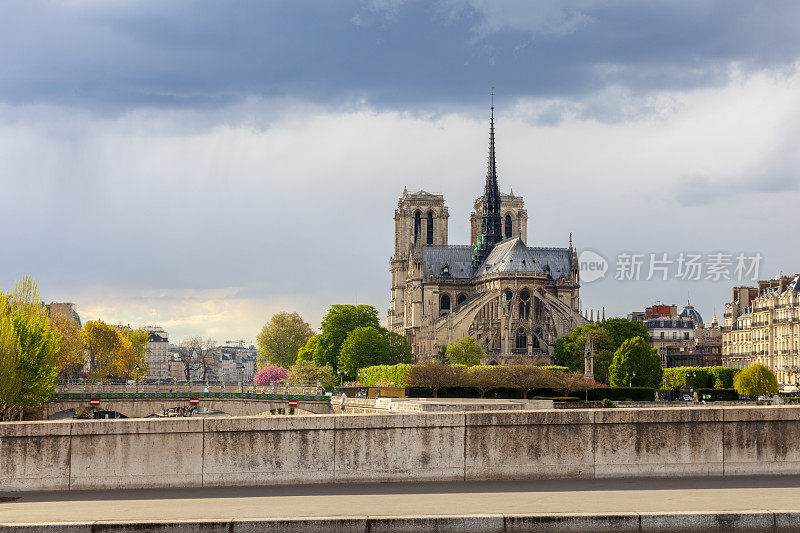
579	443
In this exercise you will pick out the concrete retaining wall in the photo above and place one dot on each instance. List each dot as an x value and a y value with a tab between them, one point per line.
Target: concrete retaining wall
750	522
442	446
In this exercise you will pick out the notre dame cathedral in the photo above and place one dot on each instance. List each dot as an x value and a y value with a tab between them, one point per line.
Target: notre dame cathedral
514	299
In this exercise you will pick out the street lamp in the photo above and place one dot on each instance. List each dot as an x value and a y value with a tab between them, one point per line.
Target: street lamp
137	378
241	374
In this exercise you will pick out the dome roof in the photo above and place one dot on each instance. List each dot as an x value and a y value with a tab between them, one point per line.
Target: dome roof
690	312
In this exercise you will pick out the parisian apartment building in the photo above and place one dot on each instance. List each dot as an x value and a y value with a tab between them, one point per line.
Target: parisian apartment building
762	325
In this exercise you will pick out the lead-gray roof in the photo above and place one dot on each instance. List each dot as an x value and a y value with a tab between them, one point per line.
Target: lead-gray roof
508	256
458	259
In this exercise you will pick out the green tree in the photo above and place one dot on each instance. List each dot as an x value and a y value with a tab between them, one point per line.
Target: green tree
635	364
308	372
281	339
606	336
363	347
465	351
755	380
309	351
399	349
622	329
337	325
28	350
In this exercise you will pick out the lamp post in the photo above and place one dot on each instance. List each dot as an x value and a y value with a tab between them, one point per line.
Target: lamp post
137	378
241	374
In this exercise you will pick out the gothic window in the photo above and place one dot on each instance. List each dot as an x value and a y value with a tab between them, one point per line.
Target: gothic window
508	296
461	299
522	339
430	228
417	225
524	304
444	304
509	227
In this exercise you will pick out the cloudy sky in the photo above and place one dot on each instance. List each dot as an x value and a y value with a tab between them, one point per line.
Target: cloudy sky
203	165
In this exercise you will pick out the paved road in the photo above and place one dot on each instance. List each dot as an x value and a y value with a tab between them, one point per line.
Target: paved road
405	499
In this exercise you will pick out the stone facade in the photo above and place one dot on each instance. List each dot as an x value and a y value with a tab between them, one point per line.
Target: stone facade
762	325
514	299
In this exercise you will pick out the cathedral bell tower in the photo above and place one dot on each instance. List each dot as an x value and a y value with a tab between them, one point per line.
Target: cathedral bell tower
491	221
420	220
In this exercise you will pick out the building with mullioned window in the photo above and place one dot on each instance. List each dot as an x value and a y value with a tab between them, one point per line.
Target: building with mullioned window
514	299
762	325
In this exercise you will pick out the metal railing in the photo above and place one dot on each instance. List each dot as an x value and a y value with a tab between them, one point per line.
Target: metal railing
307	389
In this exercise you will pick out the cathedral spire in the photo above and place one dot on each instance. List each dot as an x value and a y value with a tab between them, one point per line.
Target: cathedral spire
491	225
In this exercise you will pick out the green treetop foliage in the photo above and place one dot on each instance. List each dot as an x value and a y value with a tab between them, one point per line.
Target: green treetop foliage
363	347
756	380
28	350
309	349
281	339
622	329
337	325
399	348
607	337
395	374
635	364
708	377
464	351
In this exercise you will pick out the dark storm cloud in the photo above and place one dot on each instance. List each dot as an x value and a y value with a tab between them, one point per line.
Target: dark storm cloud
119	55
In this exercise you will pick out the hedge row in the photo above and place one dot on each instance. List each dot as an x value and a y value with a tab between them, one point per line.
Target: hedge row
397	374
695	377
717	395
637	394
621	394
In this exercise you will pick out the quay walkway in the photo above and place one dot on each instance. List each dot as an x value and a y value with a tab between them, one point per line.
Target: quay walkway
746	503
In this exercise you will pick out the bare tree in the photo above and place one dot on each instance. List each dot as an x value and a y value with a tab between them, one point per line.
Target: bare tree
436	376
528	378
199	359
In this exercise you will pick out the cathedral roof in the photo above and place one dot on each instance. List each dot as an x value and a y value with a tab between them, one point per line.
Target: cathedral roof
458	259
508	256
513	256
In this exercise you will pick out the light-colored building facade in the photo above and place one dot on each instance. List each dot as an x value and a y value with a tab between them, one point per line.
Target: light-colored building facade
157	354
762	325
681	339
514	299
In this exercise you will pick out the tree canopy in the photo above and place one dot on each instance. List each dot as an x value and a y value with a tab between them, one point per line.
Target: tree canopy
115	352
281	338
363	347
270	374
28	350
336	326
756	380
70	356
308	372
465	351
635	364
607	337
